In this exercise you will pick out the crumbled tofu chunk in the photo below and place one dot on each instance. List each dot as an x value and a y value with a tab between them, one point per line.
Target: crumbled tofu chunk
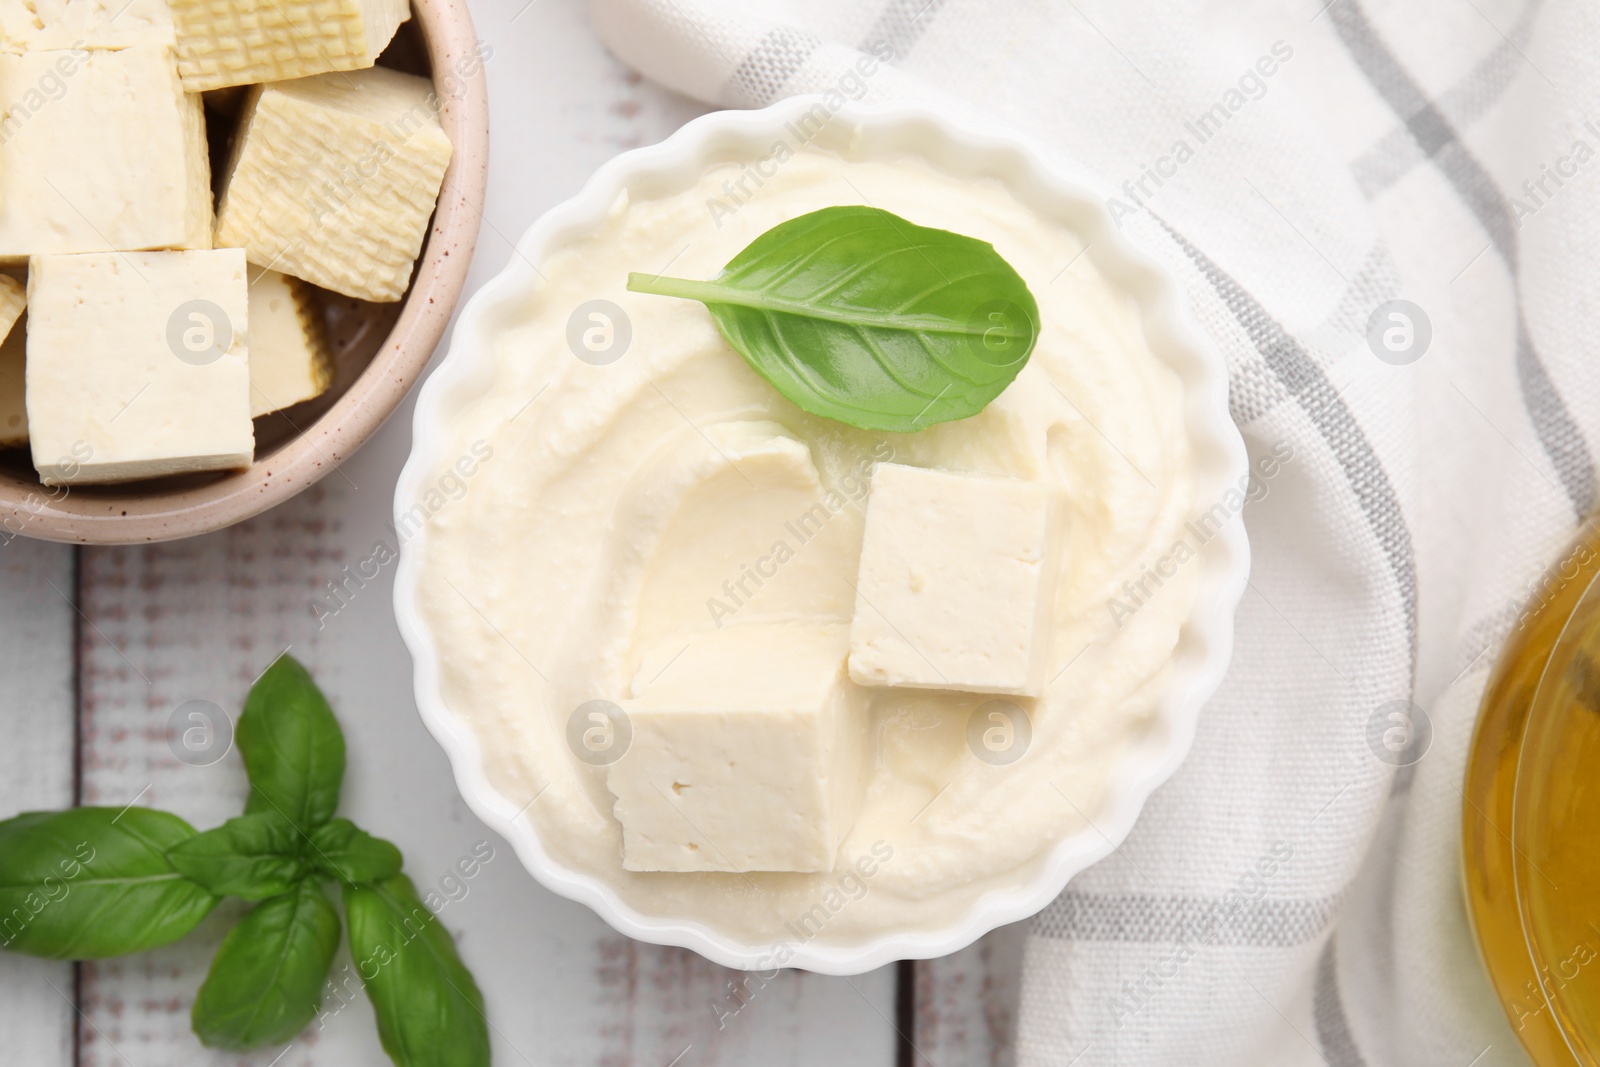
334	178
45	25
749	752
13	413
137	365
289	357
114	159
248	42
957	574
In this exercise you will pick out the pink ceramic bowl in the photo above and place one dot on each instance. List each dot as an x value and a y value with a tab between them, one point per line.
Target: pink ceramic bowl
379	349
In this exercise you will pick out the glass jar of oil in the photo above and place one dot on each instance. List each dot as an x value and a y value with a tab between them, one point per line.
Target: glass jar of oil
1531	817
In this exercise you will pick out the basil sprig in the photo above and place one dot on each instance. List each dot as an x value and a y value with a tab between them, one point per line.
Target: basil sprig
90	883
858	315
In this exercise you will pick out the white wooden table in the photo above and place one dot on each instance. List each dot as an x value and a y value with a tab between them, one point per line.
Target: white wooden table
98	646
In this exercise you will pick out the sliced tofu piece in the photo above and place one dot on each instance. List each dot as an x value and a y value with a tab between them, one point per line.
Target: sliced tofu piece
333	180
13	413
248	42
957	575
137	365
749	753
46	25
116	160
289	356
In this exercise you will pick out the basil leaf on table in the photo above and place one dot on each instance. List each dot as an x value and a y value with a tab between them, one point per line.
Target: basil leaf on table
265	982
292	746
858	315
344	851
251	856
90	883
430	1013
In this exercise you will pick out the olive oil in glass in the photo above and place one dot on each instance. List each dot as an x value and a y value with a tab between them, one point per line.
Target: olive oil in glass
1531	816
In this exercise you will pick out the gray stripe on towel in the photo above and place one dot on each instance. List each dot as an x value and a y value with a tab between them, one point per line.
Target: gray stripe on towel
1200	921
901	25
1553	424
1305	381
1397	153
1327	1007
760	78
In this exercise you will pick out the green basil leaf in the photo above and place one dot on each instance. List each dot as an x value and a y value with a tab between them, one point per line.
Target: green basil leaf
855	314
252	856
344	851
292	746
90	883
265	982
430	1013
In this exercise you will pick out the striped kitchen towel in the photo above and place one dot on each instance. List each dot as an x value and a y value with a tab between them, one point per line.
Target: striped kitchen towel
1387	216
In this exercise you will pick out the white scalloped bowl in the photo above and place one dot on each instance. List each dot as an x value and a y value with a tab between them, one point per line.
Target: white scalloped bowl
857	132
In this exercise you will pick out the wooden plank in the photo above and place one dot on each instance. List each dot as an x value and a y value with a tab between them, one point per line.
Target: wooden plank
966	1004
38	706
174	631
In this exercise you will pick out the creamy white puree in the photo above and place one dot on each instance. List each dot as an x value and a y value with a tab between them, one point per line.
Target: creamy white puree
556	578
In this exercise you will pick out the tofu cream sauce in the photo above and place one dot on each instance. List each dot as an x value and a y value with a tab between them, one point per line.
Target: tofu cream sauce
547	588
